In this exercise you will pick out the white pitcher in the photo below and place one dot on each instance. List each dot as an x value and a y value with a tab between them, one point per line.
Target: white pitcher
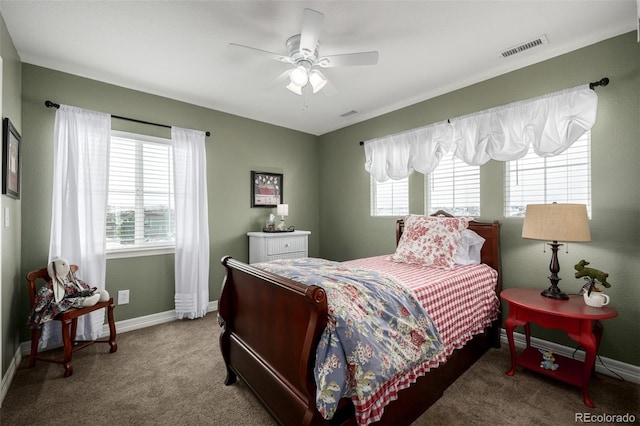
596	299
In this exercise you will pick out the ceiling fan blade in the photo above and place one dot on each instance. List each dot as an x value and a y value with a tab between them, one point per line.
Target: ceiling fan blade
279	81
310	33
329	89
271	55
349	59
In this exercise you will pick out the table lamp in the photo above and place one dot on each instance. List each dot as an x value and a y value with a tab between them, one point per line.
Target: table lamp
556	222
282	210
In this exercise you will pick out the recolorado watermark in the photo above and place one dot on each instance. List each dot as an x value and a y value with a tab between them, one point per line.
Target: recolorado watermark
604	418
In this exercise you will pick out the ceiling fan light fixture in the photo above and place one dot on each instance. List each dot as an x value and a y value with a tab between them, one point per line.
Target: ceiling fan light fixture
299	76
317	81
295	88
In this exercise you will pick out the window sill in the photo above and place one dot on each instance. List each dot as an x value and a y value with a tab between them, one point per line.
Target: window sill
139	252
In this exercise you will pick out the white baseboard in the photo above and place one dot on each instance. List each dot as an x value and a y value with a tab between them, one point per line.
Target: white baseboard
121	327
611	367
148	320
8	377
628	372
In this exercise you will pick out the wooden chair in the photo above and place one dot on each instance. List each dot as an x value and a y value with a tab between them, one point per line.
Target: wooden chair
69	321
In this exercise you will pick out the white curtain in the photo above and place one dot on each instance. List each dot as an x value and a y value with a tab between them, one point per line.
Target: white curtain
396	156
192	224
78	217
549	124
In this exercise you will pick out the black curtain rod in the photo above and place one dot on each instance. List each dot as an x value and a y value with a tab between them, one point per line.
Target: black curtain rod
602	82
50	104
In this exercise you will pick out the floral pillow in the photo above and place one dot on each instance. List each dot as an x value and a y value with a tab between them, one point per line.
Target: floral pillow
430	241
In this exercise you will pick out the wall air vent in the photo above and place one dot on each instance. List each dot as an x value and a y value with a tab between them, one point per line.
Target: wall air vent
524	46
348	114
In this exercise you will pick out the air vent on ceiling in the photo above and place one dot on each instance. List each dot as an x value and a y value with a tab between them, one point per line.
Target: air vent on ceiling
349	113
524	46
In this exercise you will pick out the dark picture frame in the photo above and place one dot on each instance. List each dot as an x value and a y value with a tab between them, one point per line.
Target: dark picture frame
266	189
10	160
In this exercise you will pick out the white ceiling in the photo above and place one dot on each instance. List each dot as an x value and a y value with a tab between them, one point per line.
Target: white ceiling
179	49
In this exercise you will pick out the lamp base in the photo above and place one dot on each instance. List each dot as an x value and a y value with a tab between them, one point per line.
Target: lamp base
554	292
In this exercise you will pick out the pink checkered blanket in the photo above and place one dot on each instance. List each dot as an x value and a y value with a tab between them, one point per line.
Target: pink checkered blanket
461	303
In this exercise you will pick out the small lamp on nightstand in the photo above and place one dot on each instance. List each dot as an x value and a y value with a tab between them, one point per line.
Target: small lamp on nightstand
556	222
282	210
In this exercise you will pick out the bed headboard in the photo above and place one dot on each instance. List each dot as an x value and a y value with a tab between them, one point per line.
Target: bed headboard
490	231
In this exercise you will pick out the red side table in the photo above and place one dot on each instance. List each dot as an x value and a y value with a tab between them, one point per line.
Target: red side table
580	321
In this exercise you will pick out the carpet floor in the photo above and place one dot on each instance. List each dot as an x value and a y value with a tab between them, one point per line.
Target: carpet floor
173	373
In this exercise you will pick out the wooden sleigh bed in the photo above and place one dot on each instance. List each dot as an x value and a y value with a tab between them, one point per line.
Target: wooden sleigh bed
272	326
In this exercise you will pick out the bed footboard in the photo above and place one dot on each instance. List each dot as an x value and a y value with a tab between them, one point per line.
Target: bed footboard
273	354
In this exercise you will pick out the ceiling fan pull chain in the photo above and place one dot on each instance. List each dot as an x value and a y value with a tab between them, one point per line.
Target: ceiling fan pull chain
305	92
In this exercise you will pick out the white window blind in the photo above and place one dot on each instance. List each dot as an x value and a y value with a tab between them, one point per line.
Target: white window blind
453	186
141	205
564	178
390	198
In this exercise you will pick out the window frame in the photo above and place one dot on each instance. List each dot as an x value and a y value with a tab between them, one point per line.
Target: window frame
428	182
151	249
583	155
373	187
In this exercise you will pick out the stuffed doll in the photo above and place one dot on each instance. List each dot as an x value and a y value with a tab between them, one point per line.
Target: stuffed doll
548	360
62	293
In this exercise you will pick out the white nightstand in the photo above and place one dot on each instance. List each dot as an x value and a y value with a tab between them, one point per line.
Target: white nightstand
266	246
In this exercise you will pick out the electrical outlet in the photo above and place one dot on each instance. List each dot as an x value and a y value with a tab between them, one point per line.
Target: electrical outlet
123	297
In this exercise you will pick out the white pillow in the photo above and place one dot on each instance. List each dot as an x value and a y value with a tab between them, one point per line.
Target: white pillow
469	248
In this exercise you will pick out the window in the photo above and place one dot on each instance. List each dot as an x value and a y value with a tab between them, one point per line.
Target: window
453	186
564	178
390	198
141	205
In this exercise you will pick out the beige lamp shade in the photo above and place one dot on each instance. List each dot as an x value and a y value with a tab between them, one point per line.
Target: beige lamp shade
556	222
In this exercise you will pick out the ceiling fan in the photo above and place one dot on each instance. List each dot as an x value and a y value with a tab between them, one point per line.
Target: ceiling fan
302	53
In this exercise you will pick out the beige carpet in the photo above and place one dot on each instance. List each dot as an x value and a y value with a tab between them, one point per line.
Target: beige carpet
172	374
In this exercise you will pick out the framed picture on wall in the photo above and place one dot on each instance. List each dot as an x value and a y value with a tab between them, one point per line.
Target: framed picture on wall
266	189
10	160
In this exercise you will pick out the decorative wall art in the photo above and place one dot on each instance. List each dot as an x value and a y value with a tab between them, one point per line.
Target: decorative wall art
10	160
266	189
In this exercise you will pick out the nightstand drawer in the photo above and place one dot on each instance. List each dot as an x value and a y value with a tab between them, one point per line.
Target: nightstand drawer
286	245
267	246
288	255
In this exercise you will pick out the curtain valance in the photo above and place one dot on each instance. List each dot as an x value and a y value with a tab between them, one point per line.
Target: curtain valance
549	123
396	156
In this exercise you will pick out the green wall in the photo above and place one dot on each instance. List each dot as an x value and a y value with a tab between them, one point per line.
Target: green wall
10	275
337	204
236	146
349	232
